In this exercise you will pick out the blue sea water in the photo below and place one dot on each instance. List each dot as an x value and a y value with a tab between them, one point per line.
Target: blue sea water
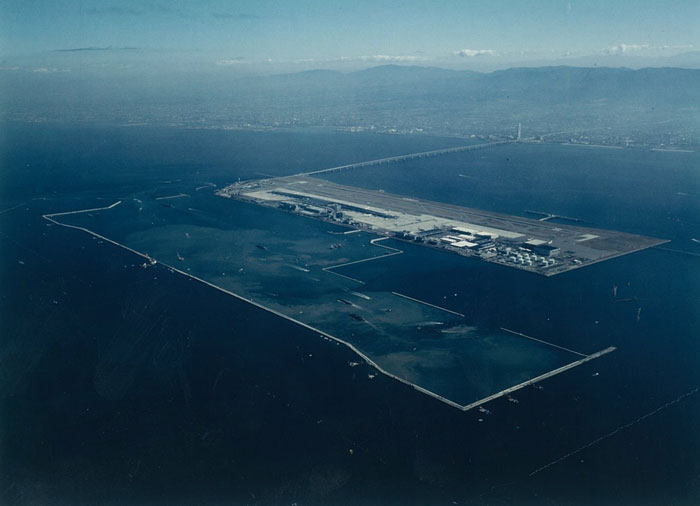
136	386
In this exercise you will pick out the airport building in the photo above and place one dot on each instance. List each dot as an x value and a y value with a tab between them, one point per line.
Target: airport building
542	248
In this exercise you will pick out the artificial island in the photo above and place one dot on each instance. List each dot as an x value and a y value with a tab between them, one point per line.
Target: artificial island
541	246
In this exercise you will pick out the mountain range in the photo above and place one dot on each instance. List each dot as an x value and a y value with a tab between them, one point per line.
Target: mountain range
386	98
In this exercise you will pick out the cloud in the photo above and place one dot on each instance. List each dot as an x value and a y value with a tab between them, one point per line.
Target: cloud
47	70
167	9
38	70
116	10
146	8
626	48
163	8
677	46
475	52
389	58
93	48
231	61
378	58
242	16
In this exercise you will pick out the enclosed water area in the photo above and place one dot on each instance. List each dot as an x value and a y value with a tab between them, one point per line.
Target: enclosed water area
323	276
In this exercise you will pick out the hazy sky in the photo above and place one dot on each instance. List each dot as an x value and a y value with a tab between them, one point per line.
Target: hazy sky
327	31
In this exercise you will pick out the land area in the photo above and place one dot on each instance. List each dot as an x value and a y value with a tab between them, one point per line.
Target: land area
535	245
644	108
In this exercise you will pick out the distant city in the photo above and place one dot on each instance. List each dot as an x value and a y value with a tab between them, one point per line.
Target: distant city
647	108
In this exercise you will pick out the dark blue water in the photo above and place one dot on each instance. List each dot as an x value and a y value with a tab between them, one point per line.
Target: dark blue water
136	386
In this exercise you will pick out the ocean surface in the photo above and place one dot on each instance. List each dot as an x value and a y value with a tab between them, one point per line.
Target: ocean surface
124	385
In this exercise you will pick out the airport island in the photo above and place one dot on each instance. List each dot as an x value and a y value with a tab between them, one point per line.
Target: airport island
541	246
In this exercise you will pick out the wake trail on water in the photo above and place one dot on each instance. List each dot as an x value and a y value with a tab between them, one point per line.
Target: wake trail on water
619	429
